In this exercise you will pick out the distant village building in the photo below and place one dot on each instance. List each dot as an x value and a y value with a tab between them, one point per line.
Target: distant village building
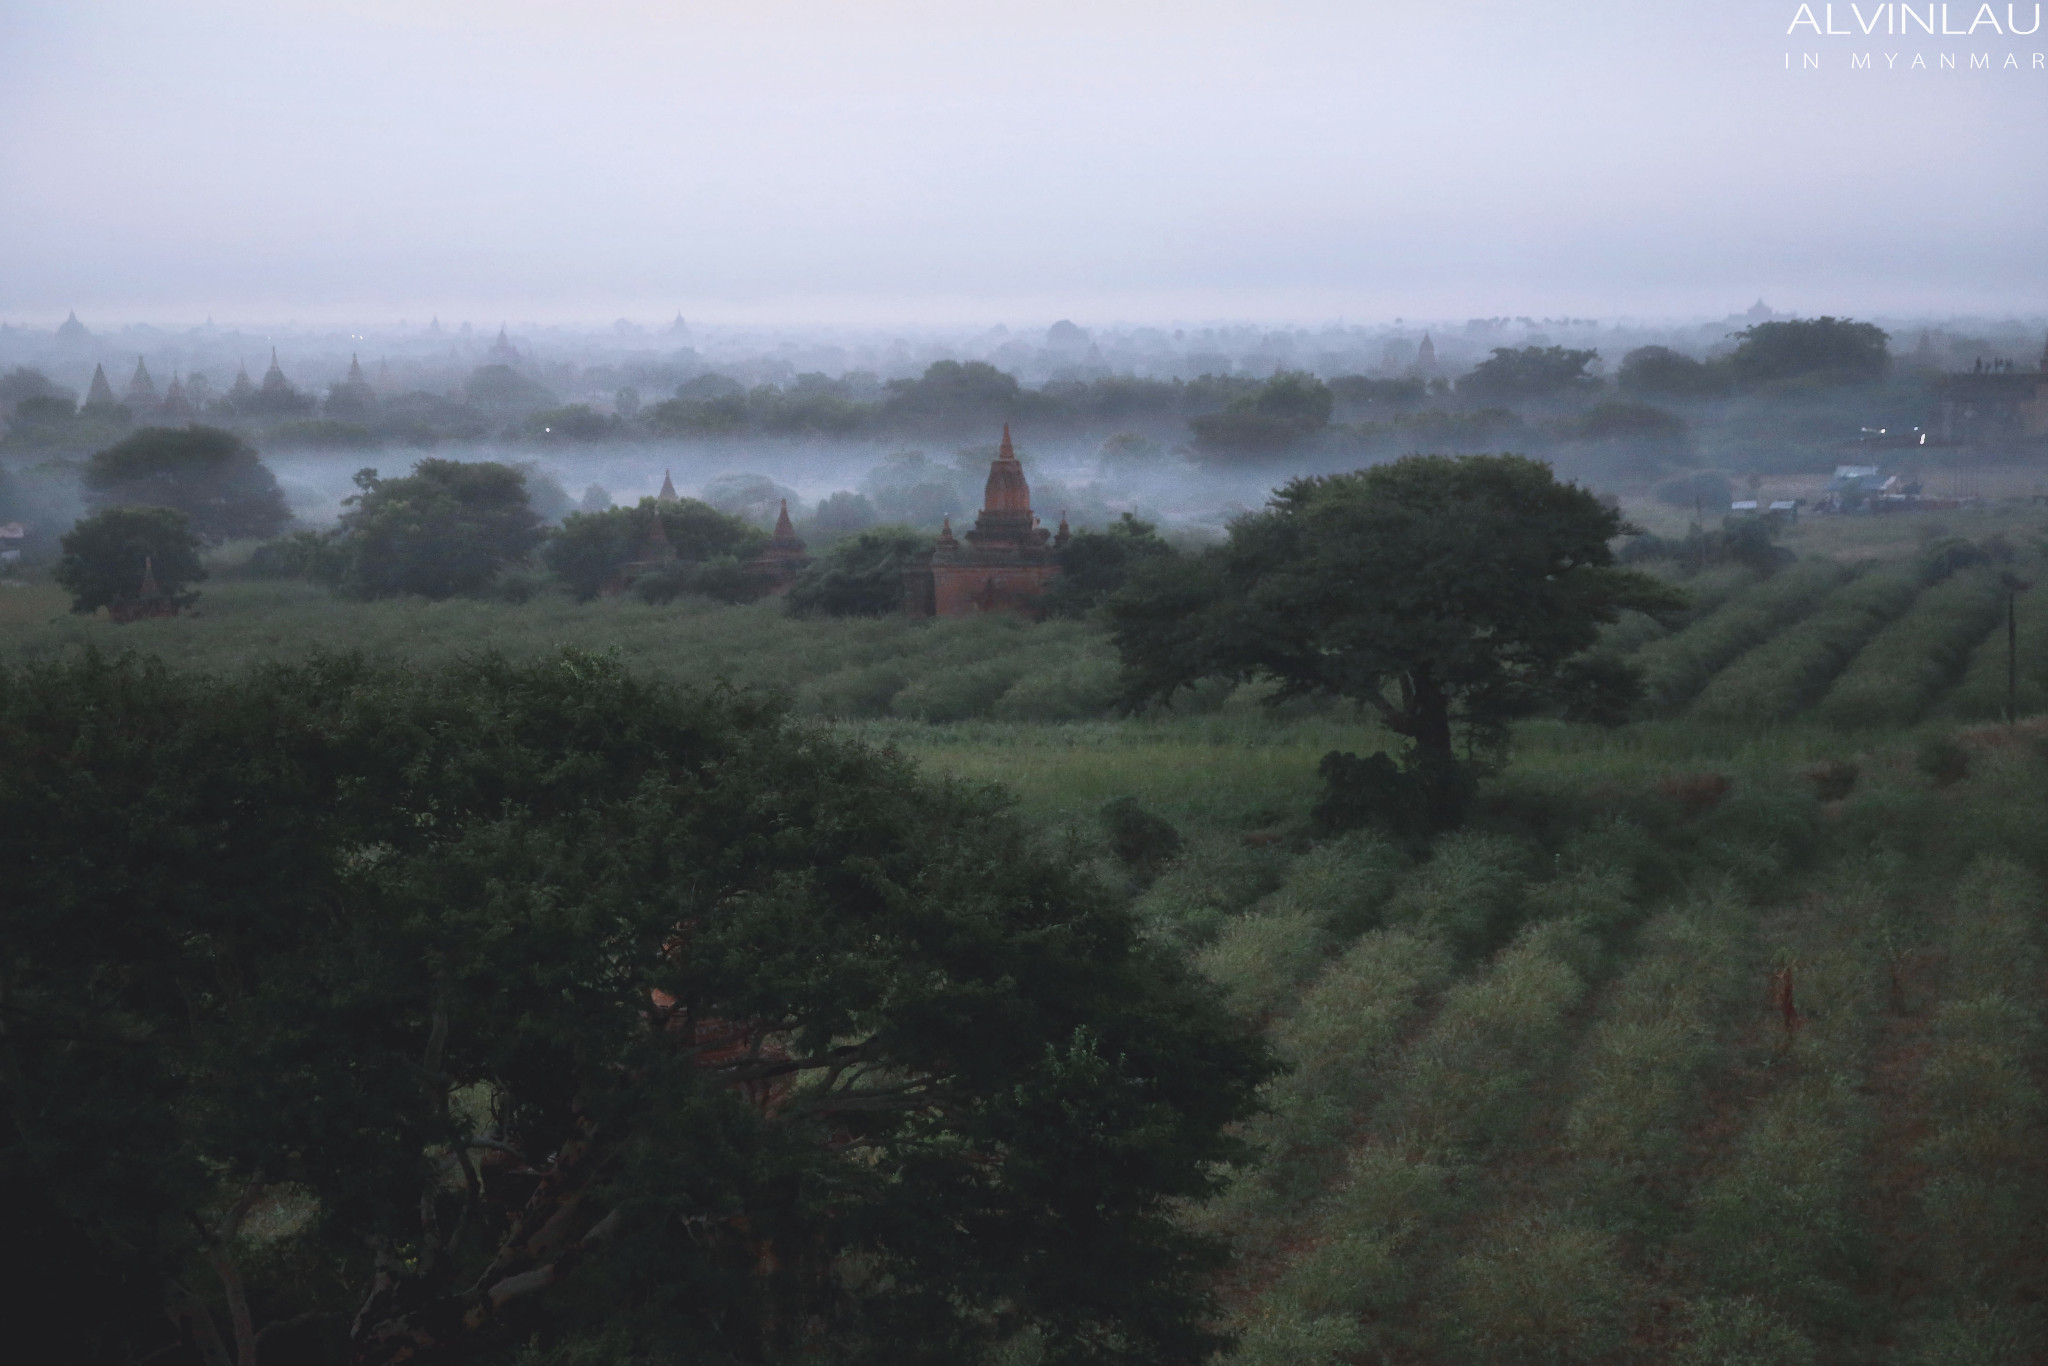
1008	559
1996	403
771	572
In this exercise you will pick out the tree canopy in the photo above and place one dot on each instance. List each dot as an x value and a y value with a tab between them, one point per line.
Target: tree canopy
1287	410
589	550
106	557
1530	372
1097	563
369	1015
861	576
1448	595
449	527
1658	371
1822	350
208	473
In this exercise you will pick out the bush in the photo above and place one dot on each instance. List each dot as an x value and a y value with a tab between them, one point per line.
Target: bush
1140	840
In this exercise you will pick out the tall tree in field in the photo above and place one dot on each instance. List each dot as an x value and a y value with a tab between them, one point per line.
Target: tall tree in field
116	558
1450	596
372	1016
448	527
209	474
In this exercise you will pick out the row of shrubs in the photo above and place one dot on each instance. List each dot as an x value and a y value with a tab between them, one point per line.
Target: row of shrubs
1679	666
1906	666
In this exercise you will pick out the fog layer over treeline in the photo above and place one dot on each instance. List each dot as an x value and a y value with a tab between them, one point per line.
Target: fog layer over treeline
1183	425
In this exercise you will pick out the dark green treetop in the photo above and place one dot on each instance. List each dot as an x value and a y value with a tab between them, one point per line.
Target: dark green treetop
208	473
860	576
591	547
1822	350
1097	563
106	557
1450	595
370	1015
1530	372
448	527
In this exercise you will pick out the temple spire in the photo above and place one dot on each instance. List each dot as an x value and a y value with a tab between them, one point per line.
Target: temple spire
668	490
784	529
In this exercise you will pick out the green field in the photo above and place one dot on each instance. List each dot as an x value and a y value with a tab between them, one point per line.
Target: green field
1715	1038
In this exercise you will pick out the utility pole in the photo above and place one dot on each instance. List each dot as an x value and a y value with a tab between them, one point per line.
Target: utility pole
2013	586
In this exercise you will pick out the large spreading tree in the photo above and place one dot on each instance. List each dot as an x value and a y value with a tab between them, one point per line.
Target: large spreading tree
209	474
448	527
1448	595
364	1015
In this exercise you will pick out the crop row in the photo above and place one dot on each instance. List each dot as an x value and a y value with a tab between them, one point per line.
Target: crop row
1980	1210
1677	667
1907	665
1779	678
1982	694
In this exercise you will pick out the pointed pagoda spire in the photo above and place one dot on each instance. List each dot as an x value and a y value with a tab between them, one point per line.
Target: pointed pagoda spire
101	393
355	370
149	588
141	388
274	381
947	541
174	398
784	529
668	490
1007	496
1062	536
72	330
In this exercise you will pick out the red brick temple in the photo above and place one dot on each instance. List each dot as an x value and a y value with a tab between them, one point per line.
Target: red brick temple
1008	558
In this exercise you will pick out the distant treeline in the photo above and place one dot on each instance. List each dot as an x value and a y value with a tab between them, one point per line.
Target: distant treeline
1525	396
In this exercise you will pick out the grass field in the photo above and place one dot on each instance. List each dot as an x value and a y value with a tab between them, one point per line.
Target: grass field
1717	1038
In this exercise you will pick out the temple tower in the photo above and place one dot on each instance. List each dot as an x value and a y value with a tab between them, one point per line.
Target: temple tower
1007	560
781	561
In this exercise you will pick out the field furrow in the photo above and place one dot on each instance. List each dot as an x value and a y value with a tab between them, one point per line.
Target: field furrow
1677	667
1906	667
1781	677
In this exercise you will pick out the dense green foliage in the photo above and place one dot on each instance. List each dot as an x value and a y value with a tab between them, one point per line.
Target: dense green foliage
108	555
1529	372
1097	563
591	547
448	527
1449	596
861	576
1286	411
211	475
448	1011
1658	371
1819	350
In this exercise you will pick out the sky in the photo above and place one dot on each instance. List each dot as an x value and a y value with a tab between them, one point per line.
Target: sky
960	161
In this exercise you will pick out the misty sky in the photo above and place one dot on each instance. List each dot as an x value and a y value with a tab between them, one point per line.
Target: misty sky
876	161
